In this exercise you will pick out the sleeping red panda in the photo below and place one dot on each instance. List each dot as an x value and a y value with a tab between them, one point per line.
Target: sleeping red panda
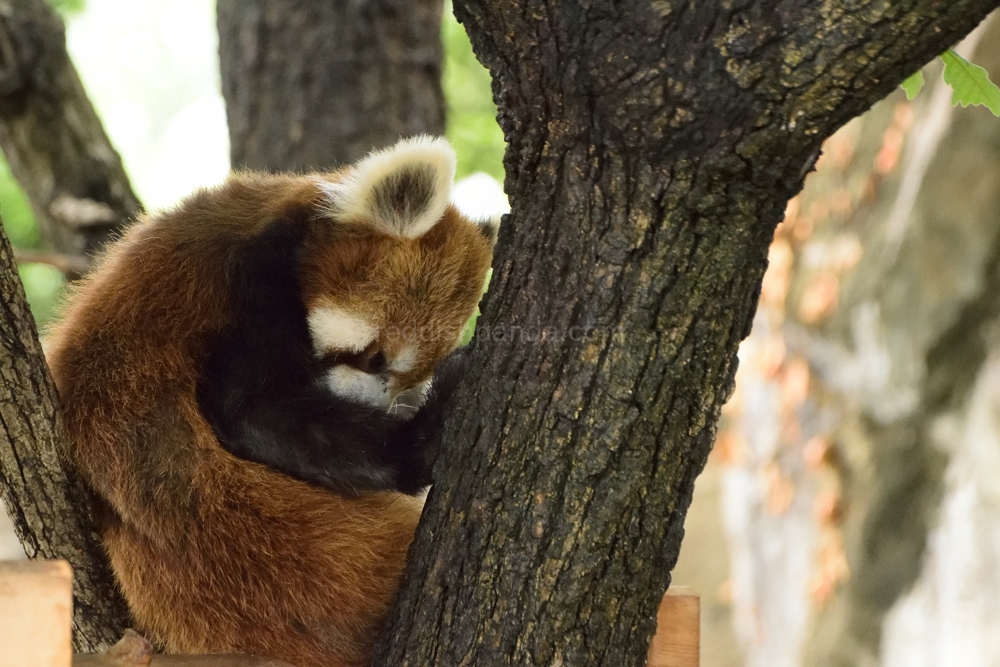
230	377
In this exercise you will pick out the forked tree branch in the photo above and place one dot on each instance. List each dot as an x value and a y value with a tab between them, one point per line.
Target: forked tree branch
53	139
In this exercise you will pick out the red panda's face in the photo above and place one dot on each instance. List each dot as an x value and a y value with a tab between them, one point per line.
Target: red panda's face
392	277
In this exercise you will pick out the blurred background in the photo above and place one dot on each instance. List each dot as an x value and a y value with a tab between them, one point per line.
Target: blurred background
850	511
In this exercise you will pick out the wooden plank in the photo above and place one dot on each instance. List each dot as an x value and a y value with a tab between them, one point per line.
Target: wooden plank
215	660
36	612
135	651
677	642
36	608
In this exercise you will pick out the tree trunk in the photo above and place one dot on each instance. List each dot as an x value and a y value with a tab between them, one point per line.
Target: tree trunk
652	149
312	85
54	141
48	506
78	190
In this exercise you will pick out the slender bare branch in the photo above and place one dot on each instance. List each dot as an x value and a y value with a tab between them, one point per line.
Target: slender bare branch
67	264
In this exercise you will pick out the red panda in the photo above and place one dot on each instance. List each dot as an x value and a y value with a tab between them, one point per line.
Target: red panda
231	377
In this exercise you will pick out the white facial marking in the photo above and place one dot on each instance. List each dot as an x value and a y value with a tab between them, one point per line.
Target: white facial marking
355	385
339	330
404	361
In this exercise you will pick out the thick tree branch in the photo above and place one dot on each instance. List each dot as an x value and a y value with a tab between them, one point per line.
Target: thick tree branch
652	149
50	509
52	137
314	85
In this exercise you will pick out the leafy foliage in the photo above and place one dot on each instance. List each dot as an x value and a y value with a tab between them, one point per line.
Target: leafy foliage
970	84
472	115
42	284
18	218
68	7
43	287
913	84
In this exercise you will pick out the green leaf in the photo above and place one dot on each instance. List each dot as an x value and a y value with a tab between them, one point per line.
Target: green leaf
469	330
913	84
68	8
970	84
470	327
472	125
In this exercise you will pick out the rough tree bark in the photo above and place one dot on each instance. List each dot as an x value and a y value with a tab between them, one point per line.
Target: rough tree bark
313	85
50	508
652	149
59	152
54	141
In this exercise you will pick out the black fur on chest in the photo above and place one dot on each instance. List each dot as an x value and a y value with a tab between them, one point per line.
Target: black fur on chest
260	386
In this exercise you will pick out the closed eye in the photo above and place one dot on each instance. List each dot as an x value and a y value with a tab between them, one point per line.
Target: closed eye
377	363
371	360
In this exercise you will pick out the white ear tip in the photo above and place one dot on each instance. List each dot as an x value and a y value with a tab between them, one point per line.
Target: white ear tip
422	143
402	190
435	151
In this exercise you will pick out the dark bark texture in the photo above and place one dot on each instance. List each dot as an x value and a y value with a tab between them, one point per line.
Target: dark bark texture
312	85
46	504
52	137
651	150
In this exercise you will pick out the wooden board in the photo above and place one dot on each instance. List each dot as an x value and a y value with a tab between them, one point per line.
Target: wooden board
677	641
36	613
36	609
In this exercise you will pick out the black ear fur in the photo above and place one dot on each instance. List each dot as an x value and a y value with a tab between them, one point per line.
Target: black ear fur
405	194
402	190
490	228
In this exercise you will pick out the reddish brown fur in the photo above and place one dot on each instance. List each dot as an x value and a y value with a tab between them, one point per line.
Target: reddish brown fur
374	278
214	553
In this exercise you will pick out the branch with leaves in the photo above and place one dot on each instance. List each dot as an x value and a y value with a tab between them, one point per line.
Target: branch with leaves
970	84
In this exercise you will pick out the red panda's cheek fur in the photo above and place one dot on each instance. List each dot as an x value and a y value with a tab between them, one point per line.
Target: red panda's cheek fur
417	293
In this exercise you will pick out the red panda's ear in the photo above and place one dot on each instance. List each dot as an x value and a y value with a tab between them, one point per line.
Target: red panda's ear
402	190
490	227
